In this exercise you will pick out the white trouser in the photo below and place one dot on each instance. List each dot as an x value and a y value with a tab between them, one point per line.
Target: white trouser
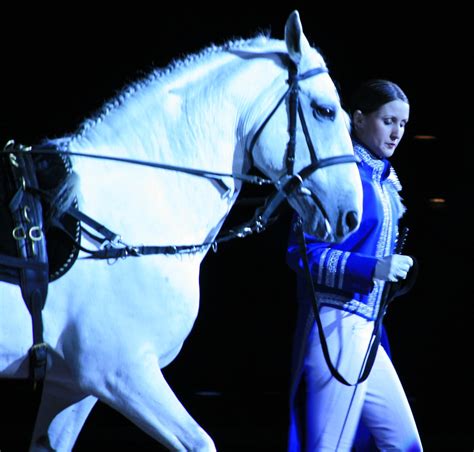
379	401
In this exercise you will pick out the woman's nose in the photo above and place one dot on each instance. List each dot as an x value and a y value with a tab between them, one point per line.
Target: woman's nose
397	131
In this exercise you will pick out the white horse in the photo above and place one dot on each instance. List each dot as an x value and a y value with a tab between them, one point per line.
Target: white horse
110	329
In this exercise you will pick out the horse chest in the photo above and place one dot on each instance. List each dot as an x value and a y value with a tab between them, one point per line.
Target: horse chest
143	299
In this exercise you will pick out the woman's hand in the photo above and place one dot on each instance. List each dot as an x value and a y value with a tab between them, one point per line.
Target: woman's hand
394	267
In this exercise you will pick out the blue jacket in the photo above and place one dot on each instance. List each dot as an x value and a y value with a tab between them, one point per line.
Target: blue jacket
343	273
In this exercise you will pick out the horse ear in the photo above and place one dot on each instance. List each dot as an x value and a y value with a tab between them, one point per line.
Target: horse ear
294	37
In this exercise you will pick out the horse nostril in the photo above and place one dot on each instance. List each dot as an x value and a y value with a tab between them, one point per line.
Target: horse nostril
351	220
346	224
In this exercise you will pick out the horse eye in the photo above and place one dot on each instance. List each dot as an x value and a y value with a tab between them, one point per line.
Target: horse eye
324	112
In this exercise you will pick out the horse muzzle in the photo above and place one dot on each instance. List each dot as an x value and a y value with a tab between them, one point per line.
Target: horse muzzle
327	225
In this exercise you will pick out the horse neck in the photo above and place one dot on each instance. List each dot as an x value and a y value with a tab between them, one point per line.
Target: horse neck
195	125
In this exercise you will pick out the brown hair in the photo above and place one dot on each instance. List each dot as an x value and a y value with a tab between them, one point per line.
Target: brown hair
371	95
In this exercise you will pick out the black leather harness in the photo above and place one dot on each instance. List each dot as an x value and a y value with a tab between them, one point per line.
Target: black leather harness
26	260
32	252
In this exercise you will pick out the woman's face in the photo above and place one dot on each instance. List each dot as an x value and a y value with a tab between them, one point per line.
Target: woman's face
382	130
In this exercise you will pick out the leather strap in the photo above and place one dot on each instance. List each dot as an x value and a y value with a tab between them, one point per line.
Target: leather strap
391	290
32	262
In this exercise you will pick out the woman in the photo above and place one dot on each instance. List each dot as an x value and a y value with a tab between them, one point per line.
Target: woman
349	278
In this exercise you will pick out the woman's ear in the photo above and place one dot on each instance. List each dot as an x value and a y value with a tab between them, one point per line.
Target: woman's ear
357	119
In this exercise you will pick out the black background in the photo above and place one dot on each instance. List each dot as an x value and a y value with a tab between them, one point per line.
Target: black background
58	67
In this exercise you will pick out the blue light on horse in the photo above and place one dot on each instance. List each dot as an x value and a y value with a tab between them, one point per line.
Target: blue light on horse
110	329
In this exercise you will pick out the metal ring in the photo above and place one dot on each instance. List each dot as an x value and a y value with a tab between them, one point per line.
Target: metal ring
35	233
19	233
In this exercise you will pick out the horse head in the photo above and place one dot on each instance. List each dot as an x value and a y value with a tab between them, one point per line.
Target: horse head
318	171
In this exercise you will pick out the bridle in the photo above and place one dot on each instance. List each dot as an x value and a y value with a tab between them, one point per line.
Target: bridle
111	245
292	181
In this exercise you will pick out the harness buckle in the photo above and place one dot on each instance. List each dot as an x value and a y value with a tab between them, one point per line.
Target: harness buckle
26	215
13	160
133	251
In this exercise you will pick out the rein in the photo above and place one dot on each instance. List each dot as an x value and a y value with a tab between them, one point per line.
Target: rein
376	334
391	290
257	180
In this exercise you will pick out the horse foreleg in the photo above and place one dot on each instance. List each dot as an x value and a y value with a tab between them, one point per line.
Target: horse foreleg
142	394
61	416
